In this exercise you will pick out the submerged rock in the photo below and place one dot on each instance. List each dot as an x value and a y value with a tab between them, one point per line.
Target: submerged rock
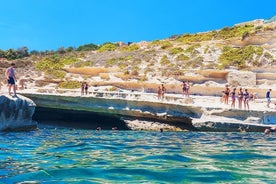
16	113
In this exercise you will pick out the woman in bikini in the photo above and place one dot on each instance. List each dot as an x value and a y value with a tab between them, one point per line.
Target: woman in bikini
240	98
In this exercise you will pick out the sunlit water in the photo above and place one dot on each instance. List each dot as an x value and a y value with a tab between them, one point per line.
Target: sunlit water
63	155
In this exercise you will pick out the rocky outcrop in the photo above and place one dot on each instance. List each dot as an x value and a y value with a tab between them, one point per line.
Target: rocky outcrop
140	112
16	113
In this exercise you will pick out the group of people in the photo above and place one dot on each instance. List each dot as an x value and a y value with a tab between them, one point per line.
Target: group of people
243	97
84	88
185	90
161	92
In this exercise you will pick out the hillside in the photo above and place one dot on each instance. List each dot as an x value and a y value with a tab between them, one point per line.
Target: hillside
242	55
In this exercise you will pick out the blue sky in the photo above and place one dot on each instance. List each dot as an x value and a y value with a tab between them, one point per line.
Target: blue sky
51	24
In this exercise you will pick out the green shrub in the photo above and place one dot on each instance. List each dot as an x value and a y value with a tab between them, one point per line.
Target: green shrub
121	61
259	51
87	47
236	31
69	84
268	55
182	57
53	65
238	57
192	48
206	49
164	60
129	48
176	50
164	44
189	38
224	33
108	47
82	64
55	74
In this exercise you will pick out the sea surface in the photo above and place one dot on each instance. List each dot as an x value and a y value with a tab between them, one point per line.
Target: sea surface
66	155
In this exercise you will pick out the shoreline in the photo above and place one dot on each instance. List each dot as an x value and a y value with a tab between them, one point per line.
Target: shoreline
204	113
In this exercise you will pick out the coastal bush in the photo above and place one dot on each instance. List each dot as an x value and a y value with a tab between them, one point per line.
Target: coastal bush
121	61
206	49
238	57
87	47
191	49
189	38
129	48
224	33
136	61
110	62
69	85
182	57
53	65
82	64
176	50
164	44
236	31
55	74
268	55
164	60
193	63
108	47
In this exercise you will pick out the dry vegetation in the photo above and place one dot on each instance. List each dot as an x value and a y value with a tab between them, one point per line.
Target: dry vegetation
91	71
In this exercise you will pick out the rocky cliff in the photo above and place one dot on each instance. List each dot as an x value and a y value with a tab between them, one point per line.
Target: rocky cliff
16	113
141	112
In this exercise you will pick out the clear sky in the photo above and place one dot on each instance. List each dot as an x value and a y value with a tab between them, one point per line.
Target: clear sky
51	24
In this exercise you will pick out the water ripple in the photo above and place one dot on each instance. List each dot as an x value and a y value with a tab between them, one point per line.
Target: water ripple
86	156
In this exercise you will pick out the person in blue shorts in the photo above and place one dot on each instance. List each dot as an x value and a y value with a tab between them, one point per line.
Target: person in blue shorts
10	74
268	98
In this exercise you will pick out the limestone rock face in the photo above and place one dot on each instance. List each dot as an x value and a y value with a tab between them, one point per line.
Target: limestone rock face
239	78
16	113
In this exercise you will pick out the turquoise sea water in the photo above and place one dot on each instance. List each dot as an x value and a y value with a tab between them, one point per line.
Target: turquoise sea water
63	155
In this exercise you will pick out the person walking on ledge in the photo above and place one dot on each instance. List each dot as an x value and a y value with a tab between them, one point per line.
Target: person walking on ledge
11	79
268	98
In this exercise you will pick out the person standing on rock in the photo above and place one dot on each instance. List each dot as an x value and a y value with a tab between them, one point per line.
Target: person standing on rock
86	88
226	94
10	74
240	98
233	97
163	91
246	99
184	88
159	92
268	98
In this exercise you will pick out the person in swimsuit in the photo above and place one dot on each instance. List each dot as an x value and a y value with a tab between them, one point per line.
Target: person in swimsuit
184	88
246	99
268	98
10	74
226	94
233	97
240	98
